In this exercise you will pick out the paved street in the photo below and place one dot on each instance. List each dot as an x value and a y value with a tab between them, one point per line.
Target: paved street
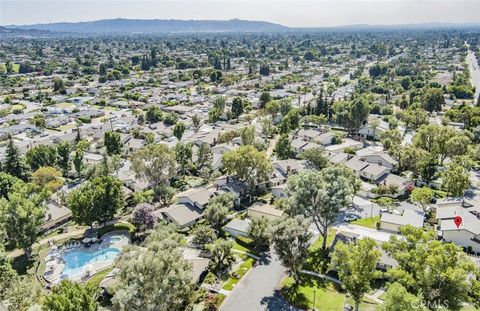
257	291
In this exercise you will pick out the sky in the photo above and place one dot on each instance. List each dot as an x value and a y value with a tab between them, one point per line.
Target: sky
300	13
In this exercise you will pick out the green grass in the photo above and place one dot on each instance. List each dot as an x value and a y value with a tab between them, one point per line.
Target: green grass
367	222
328	296
317	259
98	277
220	299
118	226
318	242
243	244
244	267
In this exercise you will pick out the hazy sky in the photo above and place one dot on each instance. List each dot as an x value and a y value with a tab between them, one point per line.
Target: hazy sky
300	13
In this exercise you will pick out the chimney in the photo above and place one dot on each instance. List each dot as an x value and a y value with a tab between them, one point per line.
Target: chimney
288	169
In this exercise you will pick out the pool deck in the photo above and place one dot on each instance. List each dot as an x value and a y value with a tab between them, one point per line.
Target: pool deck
55	264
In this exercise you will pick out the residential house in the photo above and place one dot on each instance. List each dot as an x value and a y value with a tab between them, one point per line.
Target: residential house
258	210
393	222
467	234
237	227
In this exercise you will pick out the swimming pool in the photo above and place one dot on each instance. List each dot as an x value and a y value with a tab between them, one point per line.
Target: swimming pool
80	260
77	260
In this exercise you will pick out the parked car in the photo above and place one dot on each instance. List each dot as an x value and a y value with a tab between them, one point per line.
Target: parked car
384	210
350	217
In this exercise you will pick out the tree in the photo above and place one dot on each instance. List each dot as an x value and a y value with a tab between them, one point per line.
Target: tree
143	217
237	107
248	135
164	193
216	214
457	146
22	293
291	238
113	142
71	296
392	140
321	195
437	139
7	273
356	266
12	164
427	167
22	214
48	177
315	158
203	235
196	120
265	98
272	108
154	163
455	180
204	160
386	202
248	165
41	155
39	121
154	277
63	160
433	100
178	130
58	86
221	254
436	271
183	156
414	118
78	161
422	197
97	200
7	182
260	232
283	148
398	299
153	114
352	114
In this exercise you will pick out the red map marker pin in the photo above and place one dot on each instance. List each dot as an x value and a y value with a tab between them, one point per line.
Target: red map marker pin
457	220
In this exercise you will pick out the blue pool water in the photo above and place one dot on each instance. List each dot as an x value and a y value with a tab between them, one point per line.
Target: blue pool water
77	260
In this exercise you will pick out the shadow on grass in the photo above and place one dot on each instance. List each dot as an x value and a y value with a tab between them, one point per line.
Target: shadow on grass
317	261
22	264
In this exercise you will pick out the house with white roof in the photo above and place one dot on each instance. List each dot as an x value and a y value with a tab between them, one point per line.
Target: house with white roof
467	234
393	222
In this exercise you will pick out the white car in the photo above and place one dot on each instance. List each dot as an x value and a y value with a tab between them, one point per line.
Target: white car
350	217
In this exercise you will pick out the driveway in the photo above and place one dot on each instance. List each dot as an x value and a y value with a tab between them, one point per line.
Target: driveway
258	290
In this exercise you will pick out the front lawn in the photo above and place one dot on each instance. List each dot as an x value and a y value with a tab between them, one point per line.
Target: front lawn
367	222
317	257
243	244
244	267
328	295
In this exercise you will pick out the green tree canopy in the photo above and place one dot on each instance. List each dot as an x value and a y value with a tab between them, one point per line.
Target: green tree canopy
97	200
356	266
71	296
321	195
154	163
248	165
41	155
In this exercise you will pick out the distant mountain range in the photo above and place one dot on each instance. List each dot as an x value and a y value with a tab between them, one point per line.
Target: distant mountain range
162	26
150	26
